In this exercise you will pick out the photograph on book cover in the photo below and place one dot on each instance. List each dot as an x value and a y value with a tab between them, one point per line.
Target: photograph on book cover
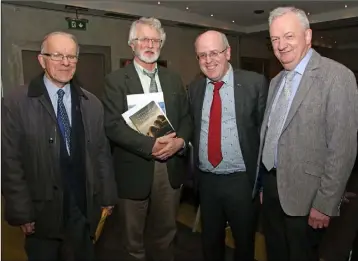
125	61
151	121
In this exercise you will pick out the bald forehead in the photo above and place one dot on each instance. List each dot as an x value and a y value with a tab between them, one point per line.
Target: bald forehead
63	41
212	37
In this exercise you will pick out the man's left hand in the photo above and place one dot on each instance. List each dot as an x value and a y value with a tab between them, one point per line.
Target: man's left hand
109	209
172	147
317	219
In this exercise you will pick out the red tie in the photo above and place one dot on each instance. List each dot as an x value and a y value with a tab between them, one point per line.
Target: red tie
214	136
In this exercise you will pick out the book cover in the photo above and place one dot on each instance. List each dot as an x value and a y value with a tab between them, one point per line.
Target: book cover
150	120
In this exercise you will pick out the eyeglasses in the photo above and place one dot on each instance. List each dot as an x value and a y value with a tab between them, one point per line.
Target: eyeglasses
59	57
211	55
155	42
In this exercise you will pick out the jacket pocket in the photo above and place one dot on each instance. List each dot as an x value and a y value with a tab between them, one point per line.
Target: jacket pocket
313	169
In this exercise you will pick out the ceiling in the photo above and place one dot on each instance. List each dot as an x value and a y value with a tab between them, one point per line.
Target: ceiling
242	12
334	24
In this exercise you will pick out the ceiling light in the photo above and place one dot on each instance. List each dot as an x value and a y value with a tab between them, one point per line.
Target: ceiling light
211	15
158	3
345	6
335	41
259	11
187	8
308	13
233	21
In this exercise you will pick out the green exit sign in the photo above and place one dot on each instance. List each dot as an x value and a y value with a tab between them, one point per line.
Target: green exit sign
77	24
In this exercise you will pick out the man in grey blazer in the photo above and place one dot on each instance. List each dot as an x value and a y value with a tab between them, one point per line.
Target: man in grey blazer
308	140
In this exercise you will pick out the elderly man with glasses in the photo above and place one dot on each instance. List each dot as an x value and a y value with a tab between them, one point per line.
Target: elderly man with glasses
149	170
56	163
227	108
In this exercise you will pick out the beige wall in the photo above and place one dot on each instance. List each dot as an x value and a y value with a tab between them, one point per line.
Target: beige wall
24	28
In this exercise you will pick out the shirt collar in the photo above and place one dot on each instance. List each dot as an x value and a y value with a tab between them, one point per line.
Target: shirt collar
140	68
52	88
301	67
227	79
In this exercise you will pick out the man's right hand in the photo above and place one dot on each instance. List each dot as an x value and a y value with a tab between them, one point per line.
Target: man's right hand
162	142
28	228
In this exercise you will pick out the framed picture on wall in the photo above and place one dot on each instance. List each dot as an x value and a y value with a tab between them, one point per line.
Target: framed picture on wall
125	61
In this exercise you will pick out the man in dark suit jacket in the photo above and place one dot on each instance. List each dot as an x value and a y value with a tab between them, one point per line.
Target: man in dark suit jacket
227	108
56	163
149	170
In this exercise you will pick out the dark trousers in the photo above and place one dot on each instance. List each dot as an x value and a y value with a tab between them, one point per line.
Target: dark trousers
227	198
342	234
76	246
288	238
149	226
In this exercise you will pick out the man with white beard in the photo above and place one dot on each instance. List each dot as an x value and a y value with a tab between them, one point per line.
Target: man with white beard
149	171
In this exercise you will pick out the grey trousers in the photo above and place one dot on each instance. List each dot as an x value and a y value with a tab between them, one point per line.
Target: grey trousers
149	226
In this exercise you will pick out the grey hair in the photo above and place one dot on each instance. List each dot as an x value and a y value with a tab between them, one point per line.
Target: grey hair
280	11
43	44
150	21
225	41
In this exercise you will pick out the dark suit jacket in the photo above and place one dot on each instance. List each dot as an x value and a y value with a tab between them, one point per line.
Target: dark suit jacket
250	90
32	182
133	163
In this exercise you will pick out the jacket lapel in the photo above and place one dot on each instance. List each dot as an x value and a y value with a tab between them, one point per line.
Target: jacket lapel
197	101
132	80
305	85
238	102
273	89
165	83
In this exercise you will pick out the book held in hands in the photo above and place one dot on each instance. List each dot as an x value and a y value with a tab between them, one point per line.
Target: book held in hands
148	118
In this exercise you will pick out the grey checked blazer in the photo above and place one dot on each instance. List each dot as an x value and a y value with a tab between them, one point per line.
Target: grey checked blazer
317	147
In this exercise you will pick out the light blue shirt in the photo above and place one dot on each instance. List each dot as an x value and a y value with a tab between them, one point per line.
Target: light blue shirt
299	70
230	146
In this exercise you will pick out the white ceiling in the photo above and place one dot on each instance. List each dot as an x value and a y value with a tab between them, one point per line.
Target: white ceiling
332	23
242	12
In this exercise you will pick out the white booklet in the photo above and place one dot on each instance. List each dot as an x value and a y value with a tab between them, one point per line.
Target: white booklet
134	99
137	101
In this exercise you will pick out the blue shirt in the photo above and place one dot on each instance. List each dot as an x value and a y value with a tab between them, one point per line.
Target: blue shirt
299	70
52	92
230	146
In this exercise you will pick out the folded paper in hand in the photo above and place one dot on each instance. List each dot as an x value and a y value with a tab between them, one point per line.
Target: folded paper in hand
100	225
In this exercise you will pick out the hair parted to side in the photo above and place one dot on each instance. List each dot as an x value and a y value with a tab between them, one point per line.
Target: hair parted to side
280	11
150	21
43	44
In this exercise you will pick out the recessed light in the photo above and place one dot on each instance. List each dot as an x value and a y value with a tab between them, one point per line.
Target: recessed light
321	37
233	21
211	15
335	41
158	3
259	11
345	6
187	8
308	13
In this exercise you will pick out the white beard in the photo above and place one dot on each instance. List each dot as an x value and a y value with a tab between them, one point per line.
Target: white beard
146	59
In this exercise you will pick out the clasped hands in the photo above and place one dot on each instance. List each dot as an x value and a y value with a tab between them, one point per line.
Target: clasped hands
167	146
